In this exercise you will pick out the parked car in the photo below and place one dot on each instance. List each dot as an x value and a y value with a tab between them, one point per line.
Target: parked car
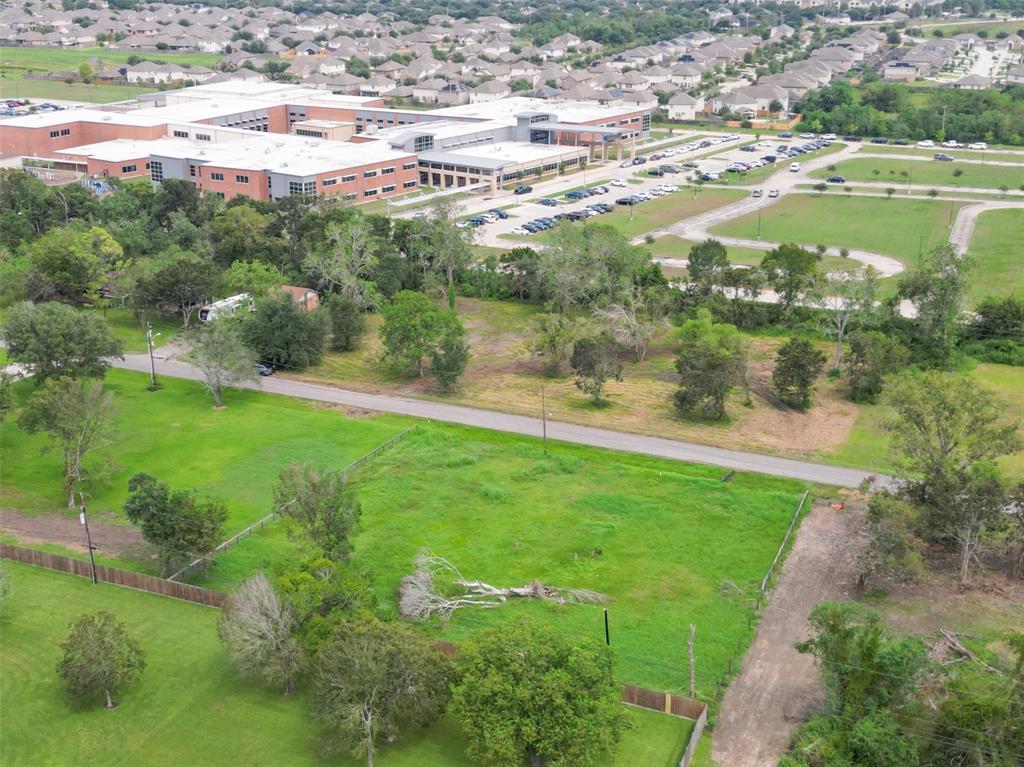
641	160
942	157
806	135
794	167
773	193
950	144
617	182
926	144
502	215
757	193
835	180
900	142
264	369
786	134
626	164
829	136
852	137
656	172
548	202
692	164
979	145
523	189
879	140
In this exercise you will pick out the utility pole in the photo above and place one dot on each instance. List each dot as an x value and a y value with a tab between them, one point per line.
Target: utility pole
689	649
544	416
607	634
153	385
759	221
88	539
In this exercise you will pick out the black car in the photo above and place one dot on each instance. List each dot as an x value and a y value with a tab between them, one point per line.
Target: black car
835	180
879	140
656	172
786	134
499	213
626	200
264	369
900	142
851	138
524	189
943	157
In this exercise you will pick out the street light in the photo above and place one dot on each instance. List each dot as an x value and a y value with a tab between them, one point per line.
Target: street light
88	539
150	335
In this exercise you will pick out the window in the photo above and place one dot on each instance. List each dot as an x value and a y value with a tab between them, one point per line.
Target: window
147	166
129	168
192	171
349	178
646	125
409	166
370	192
217	176
423	144
409	184
65	131
539	119
387	171
386	189
330	181
181	134
220	194
54	133
349	196
202	137
241	179
156	170
304	188
369	173
309	132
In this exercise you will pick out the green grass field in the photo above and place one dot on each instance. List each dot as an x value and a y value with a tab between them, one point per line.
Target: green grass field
922	172
997	248
993	155
67	59
898	227
12	86
189	707
177	436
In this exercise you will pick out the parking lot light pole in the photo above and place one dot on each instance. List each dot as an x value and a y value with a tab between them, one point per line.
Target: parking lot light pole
759	221
153	385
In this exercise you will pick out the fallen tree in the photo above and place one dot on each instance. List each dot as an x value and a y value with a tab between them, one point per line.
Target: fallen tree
437	588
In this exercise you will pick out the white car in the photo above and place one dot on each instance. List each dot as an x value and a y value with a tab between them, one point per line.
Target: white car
794	167
655	192
669	188
979	145
806	135
617	182
926	144
950	144
829	137
626	164
520	230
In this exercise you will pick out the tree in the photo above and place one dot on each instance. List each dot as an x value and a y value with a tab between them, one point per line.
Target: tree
257	278
375	680
346	261
847	297
179	282
79	418
890	550
348	322
594	360
285	335
6	395
219	351
712	361
527	691
100	657
452	245
635	321
67	264
53	340
449	357
319	502
873	356
936	286
241	232
587	263
790	270
257	627
415	328
707	264
797	366
553	338
179	525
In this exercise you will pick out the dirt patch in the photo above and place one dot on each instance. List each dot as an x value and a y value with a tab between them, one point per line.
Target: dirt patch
110	539
778	688
347	410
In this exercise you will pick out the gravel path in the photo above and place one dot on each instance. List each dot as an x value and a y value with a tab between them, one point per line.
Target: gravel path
778	688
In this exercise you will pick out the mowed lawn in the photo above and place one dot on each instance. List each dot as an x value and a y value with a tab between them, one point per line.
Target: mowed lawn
895	227
972	175
997	248
46	59
189	707
13	86
992	155
177	436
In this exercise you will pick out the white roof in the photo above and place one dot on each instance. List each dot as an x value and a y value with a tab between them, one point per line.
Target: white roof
507	109
65	116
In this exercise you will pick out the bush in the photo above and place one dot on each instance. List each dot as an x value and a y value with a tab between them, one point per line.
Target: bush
348	323
284	335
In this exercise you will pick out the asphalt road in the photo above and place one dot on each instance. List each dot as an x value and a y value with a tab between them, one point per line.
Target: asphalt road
516	424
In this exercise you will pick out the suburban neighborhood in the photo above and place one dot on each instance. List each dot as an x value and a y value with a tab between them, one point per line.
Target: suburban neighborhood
492	384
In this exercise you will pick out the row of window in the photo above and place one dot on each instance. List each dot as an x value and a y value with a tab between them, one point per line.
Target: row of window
61	132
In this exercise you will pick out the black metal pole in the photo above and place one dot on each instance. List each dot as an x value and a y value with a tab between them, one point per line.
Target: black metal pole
607	635
88	538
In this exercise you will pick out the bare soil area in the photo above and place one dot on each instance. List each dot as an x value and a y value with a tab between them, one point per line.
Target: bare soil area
778	688
110	539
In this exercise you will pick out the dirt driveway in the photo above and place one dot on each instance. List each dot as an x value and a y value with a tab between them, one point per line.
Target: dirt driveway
112	540
778	687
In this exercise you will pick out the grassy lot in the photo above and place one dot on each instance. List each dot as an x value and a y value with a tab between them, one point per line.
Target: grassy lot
867	445
657	537
655	214
960	154
12	86
133	335
836	190
67	59
998	251
920	172
188	707
176	435
671	246
899	228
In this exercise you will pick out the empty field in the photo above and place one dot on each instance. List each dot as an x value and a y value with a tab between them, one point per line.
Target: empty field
934	173
895	227
997	248
46	59
993	155
13	86
189	707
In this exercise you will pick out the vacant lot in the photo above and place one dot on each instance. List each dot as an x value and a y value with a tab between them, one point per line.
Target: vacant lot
13	86
68	59
188	707
899	172
997	248
961	154
894	227
176	435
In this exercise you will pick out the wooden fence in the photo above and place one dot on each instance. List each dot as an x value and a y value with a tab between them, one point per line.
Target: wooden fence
674	705
247	532
126	578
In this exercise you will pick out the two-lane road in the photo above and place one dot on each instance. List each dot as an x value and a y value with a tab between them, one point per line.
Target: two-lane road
517	424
